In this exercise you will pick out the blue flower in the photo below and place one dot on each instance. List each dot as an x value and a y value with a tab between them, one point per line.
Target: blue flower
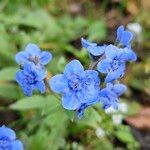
30	78
124	37
77	86
109	95
92	48
8	140
33	54
114	62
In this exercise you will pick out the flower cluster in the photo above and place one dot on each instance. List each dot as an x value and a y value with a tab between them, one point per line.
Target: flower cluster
32	62
8	140
80	88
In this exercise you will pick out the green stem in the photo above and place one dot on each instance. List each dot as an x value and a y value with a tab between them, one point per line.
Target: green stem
49	89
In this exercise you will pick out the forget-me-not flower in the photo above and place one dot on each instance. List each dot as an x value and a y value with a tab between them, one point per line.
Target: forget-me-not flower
114	62
92	48
124	37
33	54
31	78
78	87
109	95
8	140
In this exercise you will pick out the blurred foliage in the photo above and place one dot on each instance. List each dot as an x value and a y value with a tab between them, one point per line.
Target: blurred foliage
58	26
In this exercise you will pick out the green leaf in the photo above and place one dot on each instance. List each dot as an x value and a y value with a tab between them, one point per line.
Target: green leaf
29	103
8	73
124	134
10	91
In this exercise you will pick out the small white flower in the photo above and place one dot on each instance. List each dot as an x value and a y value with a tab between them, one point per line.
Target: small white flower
110	110
117	118
123	107
100	133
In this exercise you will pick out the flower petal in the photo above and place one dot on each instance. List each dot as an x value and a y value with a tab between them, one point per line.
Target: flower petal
90	90
91	76
111	51
41	74
113	75
128	55
19	77
120	31
58	84
96	50
86	43
103	65
27	89
74	67
17	145
41	86
70	101
119	89
33	50
45	57
126	38
90	94
21	57
7	132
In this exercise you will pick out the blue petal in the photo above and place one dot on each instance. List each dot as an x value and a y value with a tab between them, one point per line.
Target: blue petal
128	55
96	50
125	54
70	101
33	50
41	74
120	32
133	57
104	65
59	84
86	43
41	86
119	89
17	145
111	51
45	57
113	75
28	67
90	91
90	94
27	89
74	67
91	76
7	132
21	57
19	77
126	38
109	86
